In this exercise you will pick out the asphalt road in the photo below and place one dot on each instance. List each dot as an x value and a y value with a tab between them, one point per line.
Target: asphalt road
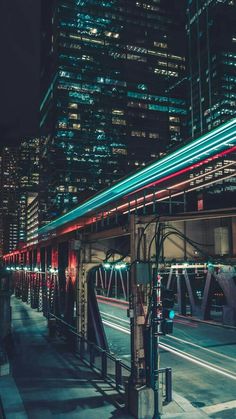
202	358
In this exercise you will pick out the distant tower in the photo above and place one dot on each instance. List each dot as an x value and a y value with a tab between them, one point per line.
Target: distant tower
9	187
112	91
28	172
211	31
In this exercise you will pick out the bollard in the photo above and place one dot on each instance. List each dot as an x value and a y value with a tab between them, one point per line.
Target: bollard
168	385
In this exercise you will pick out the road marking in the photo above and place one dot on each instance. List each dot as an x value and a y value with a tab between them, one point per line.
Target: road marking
115	326
178	339
198	361
115	317
203	348
219	407
186	323
181	354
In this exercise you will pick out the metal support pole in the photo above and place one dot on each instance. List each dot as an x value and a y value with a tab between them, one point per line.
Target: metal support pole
168	385
156	317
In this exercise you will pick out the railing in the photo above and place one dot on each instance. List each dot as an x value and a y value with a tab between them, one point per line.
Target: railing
110	368
2	414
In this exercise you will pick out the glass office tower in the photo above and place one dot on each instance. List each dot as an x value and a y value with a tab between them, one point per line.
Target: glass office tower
9	187
113	96
212	61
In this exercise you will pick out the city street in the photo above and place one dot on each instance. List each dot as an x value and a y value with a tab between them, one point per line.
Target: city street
202	357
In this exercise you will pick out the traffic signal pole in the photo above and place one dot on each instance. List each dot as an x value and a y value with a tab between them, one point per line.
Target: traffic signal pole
156	319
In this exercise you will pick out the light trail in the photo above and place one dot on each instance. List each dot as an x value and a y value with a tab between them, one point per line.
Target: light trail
115	317
202	348
182	354
198	361
178	339
218	140
116	327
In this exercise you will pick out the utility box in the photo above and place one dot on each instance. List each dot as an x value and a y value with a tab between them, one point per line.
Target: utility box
221	241
143	272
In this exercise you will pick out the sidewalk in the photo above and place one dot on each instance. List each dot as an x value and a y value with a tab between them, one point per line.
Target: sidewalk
48	381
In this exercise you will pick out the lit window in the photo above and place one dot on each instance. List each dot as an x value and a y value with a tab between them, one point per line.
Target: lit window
138	134
117	112
117	121
73	116
160	44
174	119
173	128
73	105
119	151
153	135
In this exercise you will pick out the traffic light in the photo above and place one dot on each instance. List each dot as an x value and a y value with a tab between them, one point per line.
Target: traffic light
168	313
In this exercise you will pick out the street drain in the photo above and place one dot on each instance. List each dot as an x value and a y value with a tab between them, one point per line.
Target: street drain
198	404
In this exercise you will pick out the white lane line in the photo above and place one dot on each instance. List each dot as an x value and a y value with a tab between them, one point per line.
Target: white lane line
179	339
202	347
115	326
115	317
197	361
214	408
181	354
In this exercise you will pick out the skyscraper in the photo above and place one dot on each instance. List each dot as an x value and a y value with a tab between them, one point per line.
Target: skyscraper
28	178
112	91
19	179
9	187
211	31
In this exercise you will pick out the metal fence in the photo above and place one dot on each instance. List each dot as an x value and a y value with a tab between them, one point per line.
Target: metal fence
110	368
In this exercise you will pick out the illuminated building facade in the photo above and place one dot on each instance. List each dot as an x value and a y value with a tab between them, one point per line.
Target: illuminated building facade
212	61
19	178
211	31
28	171
9	187
113	75
33	219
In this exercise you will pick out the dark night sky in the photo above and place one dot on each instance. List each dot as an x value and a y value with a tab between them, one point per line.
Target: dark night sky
19	69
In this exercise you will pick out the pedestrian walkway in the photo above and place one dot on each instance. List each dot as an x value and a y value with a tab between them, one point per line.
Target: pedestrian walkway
48	381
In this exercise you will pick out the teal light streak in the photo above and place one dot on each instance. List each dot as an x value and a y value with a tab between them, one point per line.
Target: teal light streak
219	139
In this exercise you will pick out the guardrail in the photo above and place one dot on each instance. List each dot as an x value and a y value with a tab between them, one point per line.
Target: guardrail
110	368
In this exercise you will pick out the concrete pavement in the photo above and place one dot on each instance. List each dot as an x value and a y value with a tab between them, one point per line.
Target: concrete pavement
48	381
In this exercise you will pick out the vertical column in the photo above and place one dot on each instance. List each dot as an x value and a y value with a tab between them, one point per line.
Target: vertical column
140	397
81	296
138	368
27	278
233	236
54	285
71	278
